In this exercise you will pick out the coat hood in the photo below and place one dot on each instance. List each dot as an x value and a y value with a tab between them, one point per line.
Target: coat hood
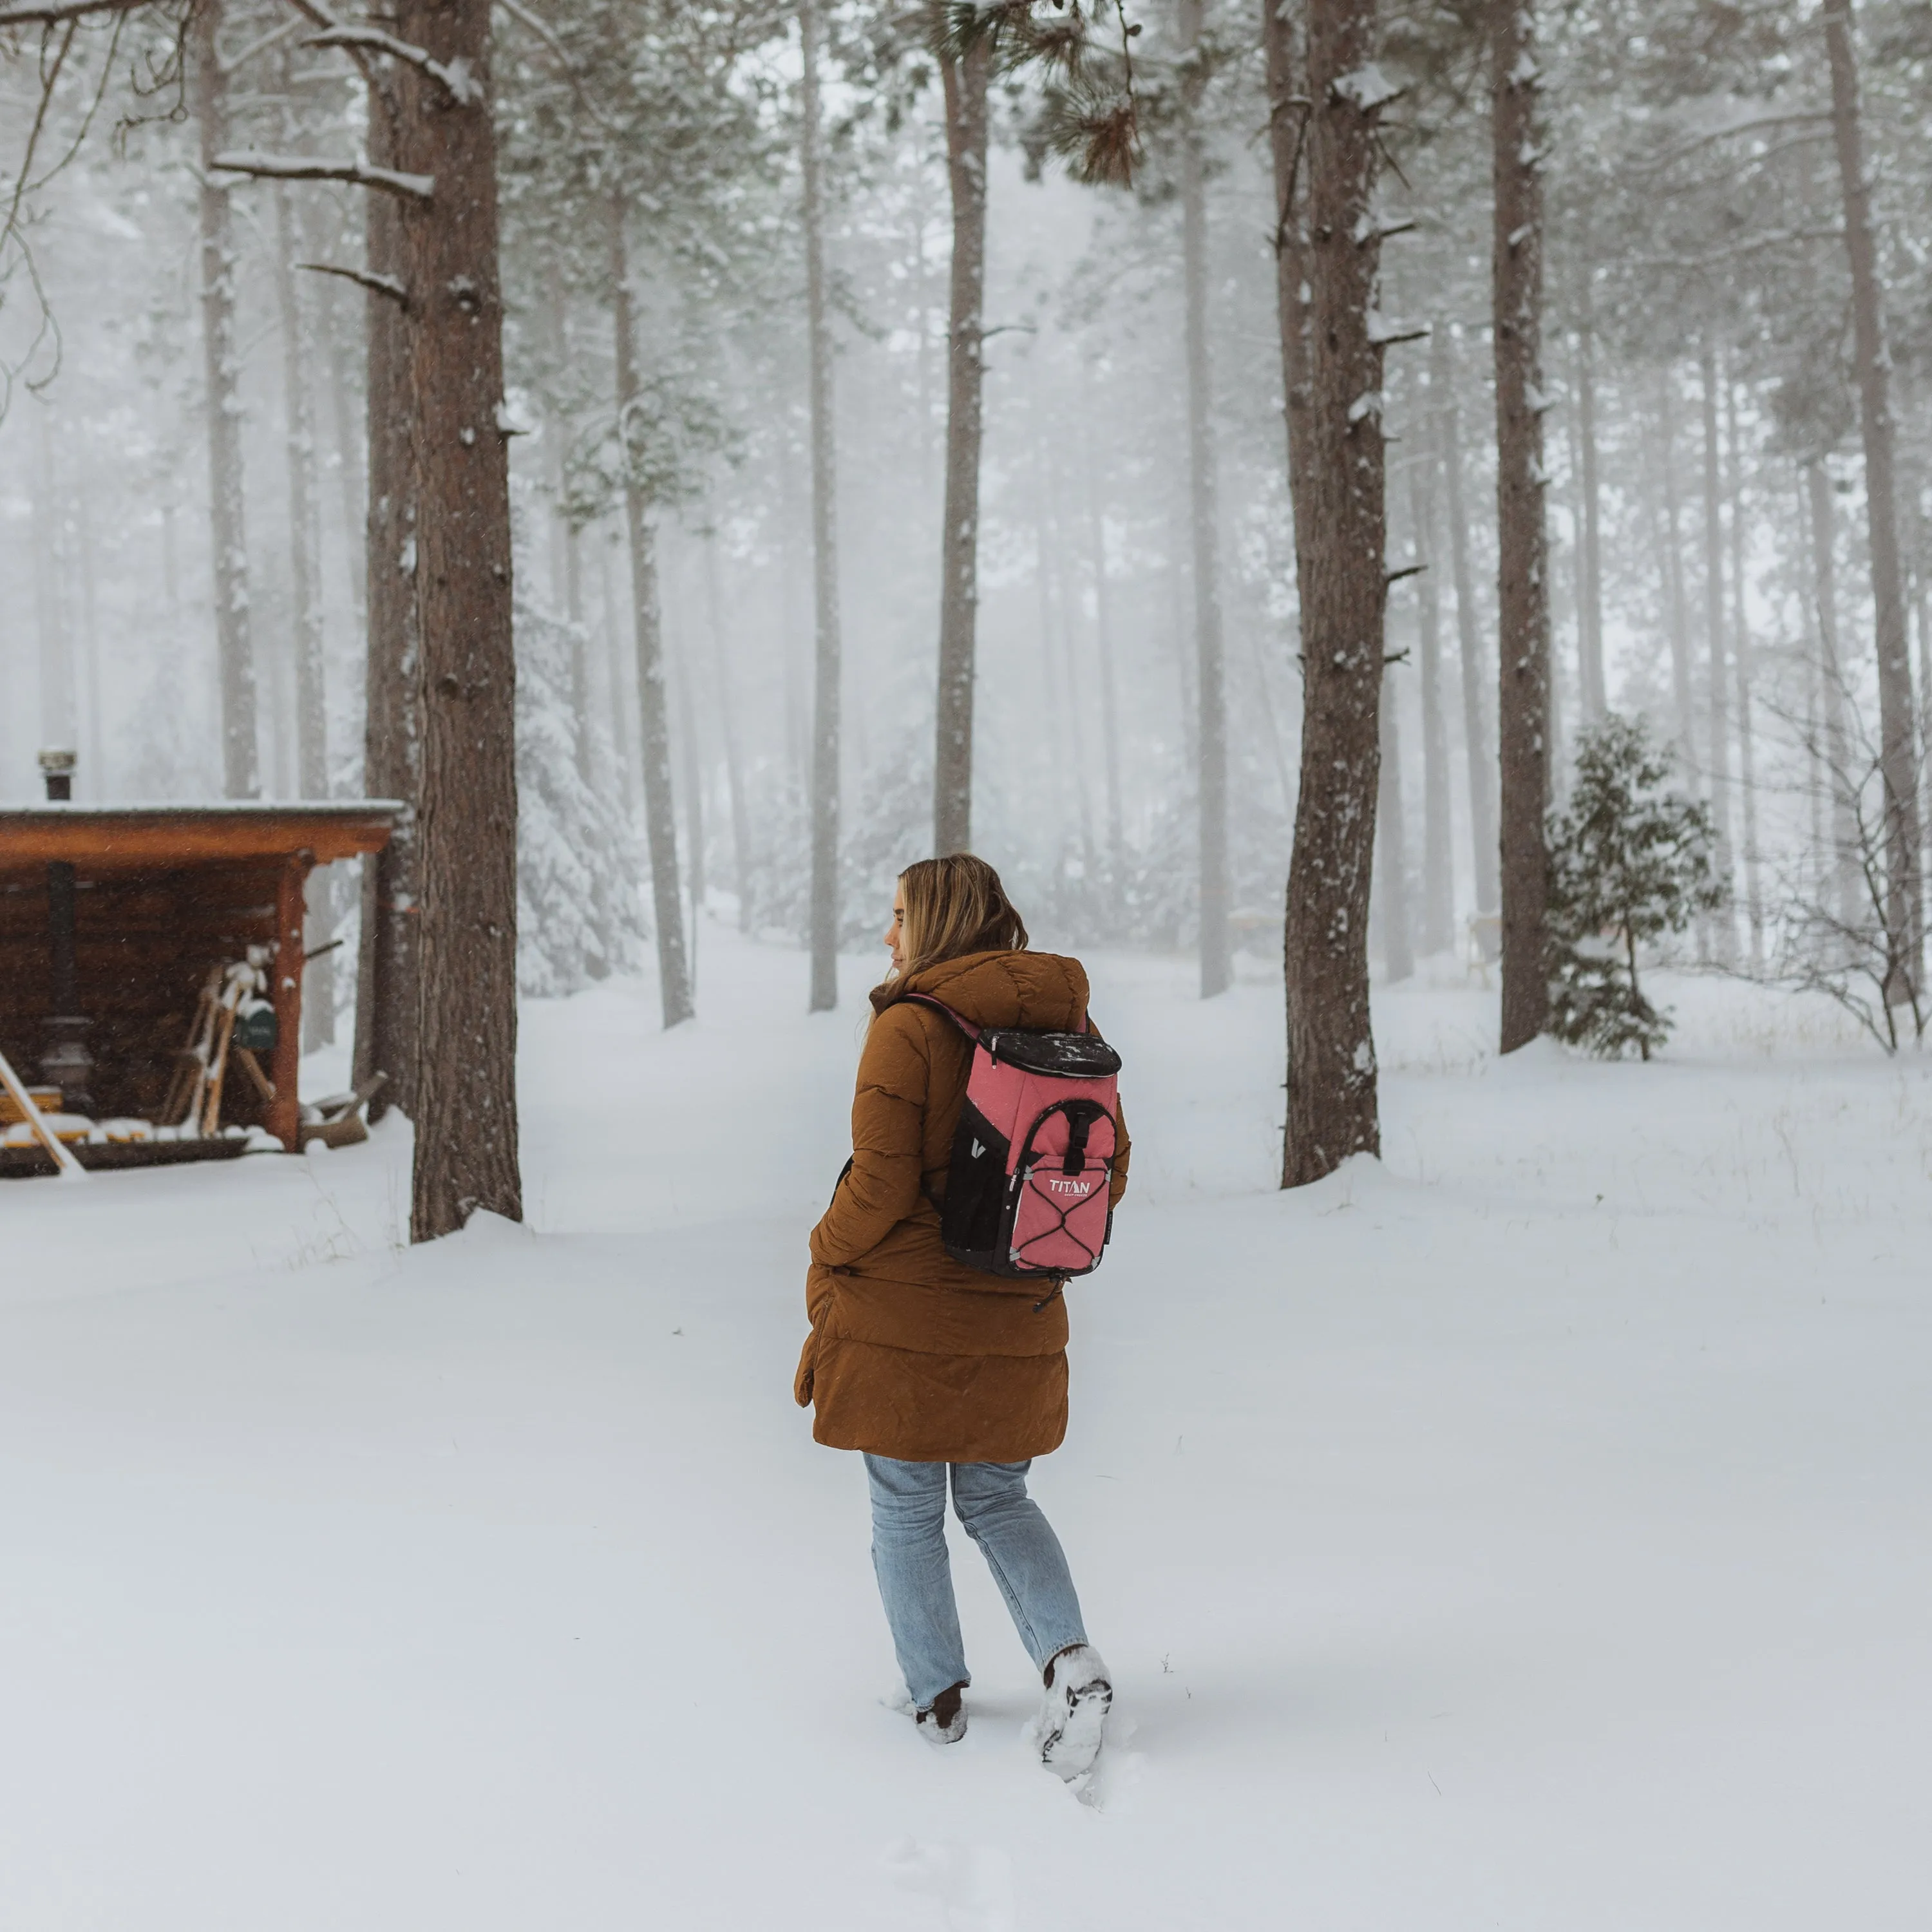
1038	990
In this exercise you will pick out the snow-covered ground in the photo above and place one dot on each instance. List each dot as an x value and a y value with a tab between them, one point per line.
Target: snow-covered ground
1530	1533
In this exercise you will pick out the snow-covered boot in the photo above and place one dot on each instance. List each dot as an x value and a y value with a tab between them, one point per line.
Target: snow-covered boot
944	1722
1073	1719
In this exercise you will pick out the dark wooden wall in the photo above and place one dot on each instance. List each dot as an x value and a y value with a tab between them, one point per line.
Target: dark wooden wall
144	944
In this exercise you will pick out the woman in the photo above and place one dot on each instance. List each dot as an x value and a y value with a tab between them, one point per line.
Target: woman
926	1365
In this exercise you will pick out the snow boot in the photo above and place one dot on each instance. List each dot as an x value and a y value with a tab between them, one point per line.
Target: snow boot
944	1723
1073	1719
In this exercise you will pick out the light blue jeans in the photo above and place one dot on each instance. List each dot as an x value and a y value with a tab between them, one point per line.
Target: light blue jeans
916	1576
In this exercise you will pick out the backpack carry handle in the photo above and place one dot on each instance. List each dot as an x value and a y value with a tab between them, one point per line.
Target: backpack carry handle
959	1020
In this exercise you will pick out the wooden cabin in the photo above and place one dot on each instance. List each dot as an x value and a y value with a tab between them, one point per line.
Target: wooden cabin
161	894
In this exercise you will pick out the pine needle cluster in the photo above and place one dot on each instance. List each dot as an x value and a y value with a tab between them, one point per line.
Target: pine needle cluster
1091	115
1629	862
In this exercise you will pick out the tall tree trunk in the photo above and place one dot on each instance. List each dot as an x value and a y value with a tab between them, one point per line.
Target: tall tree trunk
825	717
91	723
1817	766
1271	722
1844	854
1340	539
1392	862
170	565
582	706
1721	926
1060	802
798	734
1184	659
654	732
742	868
1522	546
351	474
1590	625
1289	119
923	312
1058	644
386	1016
619	662
966	84
1676	603
1468	628
305	585
1741	665
1438	878
684	671
56	662
466	1119
241	767
566	561
1921	605
1217	966
1898	759
1103	644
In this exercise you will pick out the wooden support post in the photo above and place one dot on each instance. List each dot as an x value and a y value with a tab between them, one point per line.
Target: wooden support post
285	989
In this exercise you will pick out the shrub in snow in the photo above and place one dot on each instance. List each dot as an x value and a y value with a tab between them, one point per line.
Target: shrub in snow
578	914
1629	862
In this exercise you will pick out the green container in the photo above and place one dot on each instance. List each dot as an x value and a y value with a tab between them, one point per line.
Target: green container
255	1029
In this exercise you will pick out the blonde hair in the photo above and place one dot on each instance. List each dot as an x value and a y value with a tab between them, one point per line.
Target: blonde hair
954	906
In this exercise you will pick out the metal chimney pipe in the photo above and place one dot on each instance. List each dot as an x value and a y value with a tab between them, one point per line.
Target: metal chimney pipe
57	768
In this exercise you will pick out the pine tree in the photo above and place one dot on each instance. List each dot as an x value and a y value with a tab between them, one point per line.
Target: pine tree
1629	862
576	904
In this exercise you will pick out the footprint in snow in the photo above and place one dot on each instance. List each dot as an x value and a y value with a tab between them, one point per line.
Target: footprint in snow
974	1883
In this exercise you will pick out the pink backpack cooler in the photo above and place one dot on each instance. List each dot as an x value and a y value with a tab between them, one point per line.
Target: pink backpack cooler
1026	1193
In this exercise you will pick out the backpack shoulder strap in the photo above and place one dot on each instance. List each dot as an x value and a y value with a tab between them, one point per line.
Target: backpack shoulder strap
959	1020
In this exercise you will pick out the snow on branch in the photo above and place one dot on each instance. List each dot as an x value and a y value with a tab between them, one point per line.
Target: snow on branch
312	167
456	80
58	11
1366	87
378	285
1752	125
1371	227
1384	329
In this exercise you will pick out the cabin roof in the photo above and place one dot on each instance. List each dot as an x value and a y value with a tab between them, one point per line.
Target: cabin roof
187	836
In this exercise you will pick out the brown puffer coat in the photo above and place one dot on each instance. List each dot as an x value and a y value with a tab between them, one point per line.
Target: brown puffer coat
911	1354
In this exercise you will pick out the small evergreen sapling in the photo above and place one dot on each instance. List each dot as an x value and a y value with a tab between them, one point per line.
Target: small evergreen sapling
1628	863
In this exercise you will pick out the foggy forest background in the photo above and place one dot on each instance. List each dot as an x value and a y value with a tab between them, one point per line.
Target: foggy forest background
1706	512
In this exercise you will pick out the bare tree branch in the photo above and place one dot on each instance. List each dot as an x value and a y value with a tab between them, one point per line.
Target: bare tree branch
1752	126
317	12
261	45
58	11
24	177
455	77
311	167
380	285
1778	239
11	231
